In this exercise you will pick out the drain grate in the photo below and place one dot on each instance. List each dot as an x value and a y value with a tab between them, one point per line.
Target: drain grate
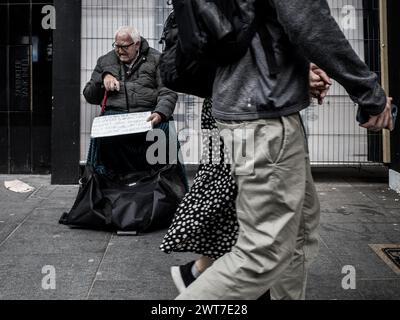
393	254
390	254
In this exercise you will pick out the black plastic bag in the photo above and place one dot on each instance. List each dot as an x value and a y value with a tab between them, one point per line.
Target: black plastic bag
143	202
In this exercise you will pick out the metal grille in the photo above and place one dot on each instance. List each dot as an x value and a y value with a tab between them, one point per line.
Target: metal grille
100	20
334	136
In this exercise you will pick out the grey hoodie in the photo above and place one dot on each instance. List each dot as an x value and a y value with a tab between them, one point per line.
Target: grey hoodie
301	31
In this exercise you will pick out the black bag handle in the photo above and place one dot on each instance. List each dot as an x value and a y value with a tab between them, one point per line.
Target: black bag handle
267	43
108	216
103	104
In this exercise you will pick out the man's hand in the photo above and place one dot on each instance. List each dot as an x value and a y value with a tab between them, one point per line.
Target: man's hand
381	121
155	119
111	83
319	83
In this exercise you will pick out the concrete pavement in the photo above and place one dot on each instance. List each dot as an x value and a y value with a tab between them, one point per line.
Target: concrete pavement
357	210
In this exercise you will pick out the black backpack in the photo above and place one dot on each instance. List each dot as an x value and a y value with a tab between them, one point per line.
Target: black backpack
200	35
182	72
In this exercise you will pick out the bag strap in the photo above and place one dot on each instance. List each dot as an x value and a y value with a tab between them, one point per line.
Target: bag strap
107	215
267	43
265	35
103	104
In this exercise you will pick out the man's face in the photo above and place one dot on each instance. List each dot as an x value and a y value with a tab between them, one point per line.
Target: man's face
126	48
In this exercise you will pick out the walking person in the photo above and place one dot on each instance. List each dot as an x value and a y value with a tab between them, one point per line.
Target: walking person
206	221
277	204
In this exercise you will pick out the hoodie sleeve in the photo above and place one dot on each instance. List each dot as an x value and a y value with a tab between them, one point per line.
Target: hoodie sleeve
166	101
94	91
311	27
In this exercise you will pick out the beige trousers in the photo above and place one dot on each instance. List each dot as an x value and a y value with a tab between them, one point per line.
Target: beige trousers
278	212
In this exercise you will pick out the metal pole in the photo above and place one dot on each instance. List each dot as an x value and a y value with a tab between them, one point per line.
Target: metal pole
384	72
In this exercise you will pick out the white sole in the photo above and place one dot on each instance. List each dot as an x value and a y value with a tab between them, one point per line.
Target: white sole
177	278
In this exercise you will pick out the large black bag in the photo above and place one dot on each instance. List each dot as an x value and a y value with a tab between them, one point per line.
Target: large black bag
143	202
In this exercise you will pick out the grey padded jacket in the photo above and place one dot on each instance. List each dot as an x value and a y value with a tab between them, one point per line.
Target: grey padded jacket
141	91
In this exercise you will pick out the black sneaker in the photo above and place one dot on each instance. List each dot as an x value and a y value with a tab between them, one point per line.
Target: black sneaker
183	276
266	296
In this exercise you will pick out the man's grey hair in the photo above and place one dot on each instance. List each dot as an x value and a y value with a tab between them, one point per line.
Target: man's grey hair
135	35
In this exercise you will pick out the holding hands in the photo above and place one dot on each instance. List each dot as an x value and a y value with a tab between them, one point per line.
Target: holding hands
319	83
155	119
381	121
111	83
319	87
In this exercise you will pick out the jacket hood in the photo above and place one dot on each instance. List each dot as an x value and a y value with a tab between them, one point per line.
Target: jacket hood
144	46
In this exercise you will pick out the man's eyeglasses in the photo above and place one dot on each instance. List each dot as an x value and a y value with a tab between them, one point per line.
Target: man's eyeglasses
125	48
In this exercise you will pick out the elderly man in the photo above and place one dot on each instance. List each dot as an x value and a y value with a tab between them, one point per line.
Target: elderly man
130	76
117	167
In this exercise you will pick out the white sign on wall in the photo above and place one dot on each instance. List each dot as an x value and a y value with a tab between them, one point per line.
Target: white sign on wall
120	124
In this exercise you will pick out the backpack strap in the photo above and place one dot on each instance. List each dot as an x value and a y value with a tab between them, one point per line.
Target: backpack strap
265	35
267	43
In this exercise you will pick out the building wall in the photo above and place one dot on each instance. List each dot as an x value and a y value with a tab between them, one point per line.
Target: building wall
100	20
66	90
334	136
25	87
394	83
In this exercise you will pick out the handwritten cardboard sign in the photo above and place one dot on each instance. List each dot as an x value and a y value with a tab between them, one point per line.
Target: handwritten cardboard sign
120	124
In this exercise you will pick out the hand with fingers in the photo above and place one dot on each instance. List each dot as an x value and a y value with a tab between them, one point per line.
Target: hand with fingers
319	83
381	121
111	83
155	119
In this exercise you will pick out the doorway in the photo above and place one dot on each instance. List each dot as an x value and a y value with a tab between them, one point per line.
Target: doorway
25	90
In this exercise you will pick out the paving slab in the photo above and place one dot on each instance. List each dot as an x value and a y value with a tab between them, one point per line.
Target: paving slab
137	261
357	210
322	287
22	276
350	244
144	289
344	212
380	289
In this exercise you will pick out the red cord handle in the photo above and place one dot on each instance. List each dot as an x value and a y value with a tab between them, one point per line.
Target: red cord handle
103	104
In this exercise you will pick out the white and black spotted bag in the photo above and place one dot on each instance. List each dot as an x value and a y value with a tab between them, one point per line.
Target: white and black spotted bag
206	221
